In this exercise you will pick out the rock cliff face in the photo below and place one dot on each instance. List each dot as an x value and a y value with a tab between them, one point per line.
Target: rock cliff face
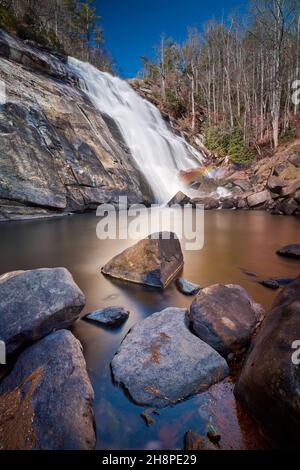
57	153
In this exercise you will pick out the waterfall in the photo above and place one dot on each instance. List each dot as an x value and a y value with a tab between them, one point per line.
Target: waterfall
158	153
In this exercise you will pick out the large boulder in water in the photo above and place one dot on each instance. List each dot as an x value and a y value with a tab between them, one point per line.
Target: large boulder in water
269	385
290	251
225	317
153	261
160	362
180	198
46	401
34	303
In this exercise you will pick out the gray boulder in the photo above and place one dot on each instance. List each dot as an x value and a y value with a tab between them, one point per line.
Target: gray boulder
257	199
269	385
225	317
290	251
46	401
160	362
151	261
109	316
35	303
187	287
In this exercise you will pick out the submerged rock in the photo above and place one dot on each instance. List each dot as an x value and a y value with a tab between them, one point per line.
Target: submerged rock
151	261
46	401
186	287
290	251
269	385
160	362
35	303
109	316
225	317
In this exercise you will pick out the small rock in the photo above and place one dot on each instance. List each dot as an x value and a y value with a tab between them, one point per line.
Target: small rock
291	188
110	316
290	251
148	418
227	203
193	441
35	303
269	384
270	283
160	362
259	198
285	281
151	261
243	184
295	160
275	184
187	287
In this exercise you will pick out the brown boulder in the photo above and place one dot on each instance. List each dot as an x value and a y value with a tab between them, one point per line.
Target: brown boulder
225	317
269	385
151	261
288	206
275	184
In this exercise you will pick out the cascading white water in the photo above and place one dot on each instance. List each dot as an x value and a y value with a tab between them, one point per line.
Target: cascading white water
158	153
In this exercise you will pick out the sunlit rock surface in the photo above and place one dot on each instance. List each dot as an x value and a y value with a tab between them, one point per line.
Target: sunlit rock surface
160	362
46	401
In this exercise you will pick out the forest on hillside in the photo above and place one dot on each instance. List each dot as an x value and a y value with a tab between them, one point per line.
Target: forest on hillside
70	27
240	74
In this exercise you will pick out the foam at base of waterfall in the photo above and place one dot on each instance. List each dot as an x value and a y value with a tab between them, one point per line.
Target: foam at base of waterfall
158	153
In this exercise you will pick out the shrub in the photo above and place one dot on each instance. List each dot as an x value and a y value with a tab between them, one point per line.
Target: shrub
225	142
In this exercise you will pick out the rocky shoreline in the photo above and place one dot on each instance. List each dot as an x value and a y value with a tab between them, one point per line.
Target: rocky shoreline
45	392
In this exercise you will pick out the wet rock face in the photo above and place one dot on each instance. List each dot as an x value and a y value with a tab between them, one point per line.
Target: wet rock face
225	317
58	154
290	251
109	316
35	303
160	362
269	385
46	401
152	262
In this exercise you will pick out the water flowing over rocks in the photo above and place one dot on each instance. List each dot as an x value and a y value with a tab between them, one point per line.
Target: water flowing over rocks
109	316
151	261
269	385
225	317
46	401
35	303
160	362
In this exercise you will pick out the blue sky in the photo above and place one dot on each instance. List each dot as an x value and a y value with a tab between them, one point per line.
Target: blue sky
133	27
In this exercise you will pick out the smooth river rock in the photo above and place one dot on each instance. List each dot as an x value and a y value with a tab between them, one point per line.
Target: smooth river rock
152	262
109	316
46	401
160	362
225	317
290	251
35	303
187	287
269	385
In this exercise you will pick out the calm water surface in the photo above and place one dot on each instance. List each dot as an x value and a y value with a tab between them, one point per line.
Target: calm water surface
234	241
